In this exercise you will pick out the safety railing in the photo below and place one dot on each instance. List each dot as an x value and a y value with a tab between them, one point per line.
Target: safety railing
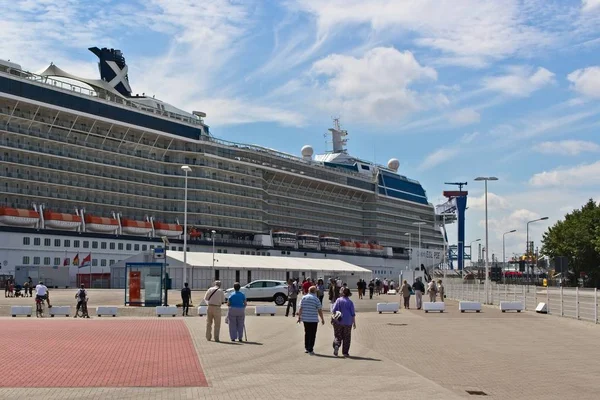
577	303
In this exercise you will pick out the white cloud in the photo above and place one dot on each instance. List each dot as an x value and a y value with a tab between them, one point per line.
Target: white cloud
375	87
495	202
469	137
590	5
465	116
520	81
240	111
586	81
567	147
438	157
582	175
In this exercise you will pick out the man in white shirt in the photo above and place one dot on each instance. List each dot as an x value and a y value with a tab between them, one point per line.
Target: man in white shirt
214	297
41	292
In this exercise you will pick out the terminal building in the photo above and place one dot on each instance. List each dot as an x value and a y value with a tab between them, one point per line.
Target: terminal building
231	268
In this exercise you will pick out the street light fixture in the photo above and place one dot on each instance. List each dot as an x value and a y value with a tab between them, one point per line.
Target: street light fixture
419	223
527	244
487	265
409	249
186	169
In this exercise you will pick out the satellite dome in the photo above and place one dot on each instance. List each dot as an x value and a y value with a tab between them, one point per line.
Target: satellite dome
393	164
307	152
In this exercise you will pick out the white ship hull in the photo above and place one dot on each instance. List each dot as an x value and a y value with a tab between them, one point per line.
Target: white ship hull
101	228
65	225
168	233
18	221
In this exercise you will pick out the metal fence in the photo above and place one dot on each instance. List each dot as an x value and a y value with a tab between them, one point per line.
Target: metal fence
569	302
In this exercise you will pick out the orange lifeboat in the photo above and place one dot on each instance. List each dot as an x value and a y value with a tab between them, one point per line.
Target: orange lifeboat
100	224
194	233
168	230
134	227
347	246
362	248
61	220
376	249
18	216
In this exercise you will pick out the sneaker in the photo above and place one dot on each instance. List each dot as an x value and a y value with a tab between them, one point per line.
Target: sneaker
336	349
306	351
346	355
311	353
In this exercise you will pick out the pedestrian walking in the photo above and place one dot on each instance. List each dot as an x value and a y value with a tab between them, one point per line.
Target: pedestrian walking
440	288
214	297
320	290
292	298
371	289
432	291
309	313
405	293
236	314
419	289
186	295
342	327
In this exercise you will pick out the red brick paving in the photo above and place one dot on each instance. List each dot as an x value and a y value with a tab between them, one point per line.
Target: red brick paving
98	353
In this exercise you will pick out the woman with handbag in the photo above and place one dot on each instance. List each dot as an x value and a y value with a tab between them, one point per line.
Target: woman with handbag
342	326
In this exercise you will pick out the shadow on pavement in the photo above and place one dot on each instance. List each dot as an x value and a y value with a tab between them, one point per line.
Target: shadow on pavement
350	358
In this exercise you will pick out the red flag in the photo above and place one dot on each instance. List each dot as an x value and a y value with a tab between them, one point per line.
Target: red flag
66	262
87	261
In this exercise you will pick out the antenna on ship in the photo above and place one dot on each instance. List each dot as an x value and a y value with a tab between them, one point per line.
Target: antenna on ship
338	136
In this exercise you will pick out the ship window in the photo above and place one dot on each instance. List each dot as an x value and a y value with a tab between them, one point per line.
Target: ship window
136	247
102	245
56	260
128	246
144	247
36	261
112	246
36	241
253	253
365	167
47	242
225	251
86	244
111	262
75	243
67	243
26	241
180	248
119	246
174	248
94	262
56	242
103	263
46	260
283	252
218	250
268	254
26	260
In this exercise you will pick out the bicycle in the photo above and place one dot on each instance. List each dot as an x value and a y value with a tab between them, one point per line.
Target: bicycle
39	307
82	312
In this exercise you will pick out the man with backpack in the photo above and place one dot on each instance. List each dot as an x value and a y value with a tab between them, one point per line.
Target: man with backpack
292	298
81	297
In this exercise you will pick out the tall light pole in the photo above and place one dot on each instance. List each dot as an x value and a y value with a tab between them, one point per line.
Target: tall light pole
409	248
213	253
471	249
419	223
504	251
527	244
487	265
186	169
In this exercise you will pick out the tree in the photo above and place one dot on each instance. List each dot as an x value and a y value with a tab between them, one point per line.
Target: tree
577	237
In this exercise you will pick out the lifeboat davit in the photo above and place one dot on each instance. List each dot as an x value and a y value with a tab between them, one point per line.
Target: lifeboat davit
61	220
134	227
100	224
362	248
18	216
347	246
168	230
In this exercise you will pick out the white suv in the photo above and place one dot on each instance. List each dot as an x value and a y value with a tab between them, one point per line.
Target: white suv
265	290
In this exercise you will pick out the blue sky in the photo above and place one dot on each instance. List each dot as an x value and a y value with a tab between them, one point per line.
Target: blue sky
453	89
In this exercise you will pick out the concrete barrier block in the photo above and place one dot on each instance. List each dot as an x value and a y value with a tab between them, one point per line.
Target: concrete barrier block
166	310
388	307
511	306
265	310
392	292
469	306
106	310
60	310
437	306
20	310
541	308
202	310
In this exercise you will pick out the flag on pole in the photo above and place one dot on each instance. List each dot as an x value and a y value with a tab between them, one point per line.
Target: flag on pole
76	259
87	261
66	262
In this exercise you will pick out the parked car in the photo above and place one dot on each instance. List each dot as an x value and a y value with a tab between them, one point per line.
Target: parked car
263	290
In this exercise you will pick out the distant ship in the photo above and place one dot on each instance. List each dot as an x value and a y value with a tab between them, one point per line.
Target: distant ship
88	167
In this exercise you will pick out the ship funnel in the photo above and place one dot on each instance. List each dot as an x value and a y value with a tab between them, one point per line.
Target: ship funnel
113	69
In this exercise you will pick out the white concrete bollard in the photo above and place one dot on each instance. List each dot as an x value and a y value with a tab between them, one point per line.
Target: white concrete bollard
60	310
511	306
437	306
388	307
20	310
265	310
469	306
166	310
106	310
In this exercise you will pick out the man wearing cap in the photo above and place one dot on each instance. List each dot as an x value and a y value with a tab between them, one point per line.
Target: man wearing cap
214	297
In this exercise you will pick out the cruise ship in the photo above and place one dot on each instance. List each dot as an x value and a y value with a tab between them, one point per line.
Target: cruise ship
93	173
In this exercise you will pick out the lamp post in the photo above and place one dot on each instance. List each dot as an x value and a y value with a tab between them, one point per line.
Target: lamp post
487	265
419	223
409	248
471	249
213	253
186	169
504	254
527	244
